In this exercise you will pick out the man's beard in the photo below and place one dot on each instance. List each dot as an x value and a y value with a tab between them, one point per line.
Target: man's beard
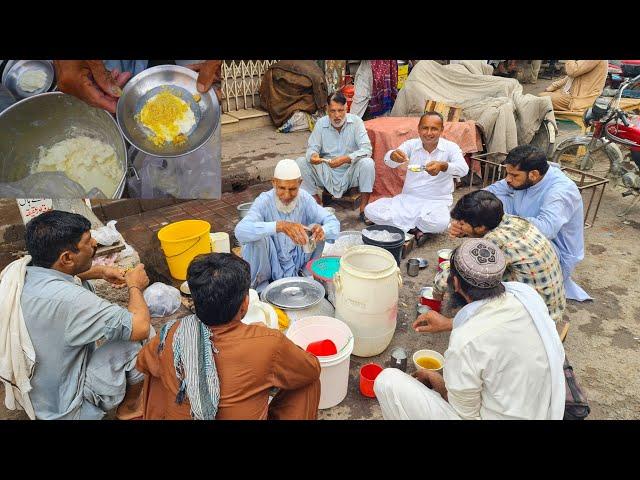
455	300
339	123
528	183
286	208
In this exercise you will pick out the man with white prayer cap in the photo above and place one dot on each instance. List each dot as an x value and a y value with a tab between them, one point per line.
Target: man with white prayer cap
504	359
276	228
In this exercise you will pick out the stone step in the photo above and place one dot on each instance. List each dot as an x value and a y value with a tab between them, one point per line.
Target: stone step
244	120
245	114
227	119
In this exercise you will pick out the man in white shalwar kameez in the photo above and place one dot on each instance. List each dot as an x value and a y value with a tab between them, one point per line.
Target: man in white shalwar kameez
541	193
273	233
433	163
504	360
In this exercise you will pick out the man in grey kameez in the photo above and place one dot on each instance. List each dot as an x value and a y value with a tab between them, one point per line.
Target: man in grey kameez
73	378
338	155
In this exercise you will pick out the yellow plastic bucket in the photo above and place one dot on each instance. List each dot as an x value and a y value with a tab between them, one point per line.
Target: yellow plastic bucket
181	242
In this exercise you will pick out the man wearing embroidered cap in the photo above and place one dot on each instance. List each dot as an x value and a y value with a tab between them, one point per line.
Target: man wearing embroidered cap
275	229
504	360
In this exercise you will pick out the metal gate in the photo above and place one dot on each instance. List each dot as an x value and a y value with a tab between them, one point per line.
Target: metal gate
241	83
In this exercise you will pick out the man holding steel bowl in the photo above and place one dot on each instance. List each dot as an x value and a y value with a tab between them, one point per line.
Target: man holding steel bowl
99	83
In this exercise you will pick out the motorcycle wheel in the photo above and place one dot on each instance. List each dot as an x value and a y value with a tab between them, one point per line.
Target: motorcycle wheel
572	152
542	138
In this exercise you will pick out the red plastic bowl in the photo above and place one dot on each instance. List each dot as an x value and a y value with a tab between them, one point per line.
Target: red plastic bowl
322	348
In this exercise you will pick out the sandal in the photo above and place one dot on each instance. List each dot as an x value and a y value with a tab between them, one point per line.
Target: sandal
421	238
365	220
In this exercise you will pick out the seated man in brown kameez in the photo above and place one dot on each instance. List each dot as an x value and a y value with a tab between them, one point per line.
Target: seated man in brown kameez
212	366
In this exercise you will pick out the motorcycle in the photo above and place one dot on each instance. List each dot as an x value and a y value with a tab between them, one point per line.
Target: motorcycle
609	126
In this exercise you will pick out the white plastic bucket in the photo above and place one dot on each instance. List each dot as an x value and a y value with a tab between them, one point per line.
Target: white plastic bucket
367	289
334	374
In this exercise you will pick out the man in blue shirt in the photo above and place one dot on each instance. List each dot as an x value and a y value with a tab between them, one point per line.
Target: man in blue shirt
273	233
73	378
541	193
339	155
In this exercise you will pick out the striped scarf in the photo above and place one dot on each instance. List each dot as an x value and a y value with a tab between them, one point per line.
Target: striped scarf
195	366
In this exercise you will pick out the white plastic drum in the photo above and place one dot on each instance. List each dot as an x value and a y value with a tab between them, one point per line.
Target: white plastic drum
367	289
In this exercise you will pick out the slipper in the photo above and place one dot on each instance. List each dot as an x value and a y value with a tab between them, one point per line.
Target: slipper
421	238
365	220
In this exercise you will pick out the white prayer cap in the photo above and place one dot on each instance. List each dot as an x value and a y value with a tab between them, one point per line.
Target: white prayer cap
287	169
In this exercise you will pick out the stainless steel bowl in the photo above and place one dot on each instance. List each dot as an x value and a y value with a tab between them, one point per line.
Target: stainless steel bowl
243	209
139	89
17	68
46	119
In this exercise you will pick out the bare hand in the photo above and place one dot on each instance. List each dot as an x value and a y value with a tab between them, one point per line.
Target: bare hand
422	375
339	161
91	82
316	159
294	231
318	233
455	231
399	156
432	380
114	275
432	322
137	277
434	167
209	72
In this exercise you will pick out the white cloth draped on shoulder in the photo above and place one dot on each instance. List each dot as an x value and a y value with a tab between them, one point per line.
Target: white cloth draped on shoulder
17	356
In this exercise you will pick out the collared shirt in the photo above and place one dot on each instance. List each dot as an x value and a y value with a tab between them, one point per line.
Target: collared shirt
251	360
530	258
64	319
554	206
496	365
351	140
421	184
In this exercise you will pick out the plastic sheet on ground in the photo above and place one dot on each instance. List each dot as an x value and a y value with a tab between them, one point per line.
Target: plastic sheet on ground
382	235
107	235
345	241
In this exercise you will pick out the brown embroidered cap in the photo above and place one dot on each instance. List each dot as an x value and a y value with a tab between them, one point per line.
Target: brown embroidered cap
480	262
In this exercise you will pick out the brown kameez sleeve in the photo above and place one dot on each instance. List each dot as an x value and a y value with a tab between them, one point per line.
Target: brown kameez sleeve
293	368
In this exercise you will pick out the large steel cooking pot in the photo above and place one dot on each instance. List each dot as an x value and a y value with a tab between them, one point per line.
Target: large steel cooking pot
46	119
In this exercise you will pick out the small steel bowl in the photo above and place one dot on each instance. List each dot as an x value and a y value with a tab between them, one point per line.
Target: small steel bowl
184	288
16	69
180	81
243	209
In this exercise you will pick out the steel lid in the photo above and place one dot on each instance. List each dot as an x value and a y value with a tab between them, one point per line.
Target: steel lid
294	293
